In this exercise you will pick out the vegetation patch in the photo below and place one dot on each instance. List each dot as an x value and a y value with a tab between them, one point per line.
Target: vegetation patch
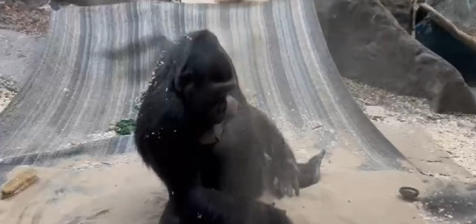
125	126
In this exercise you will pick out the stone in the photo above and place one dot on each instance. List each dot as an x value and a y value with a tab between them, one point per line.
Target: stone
402	11
362	35
453	123
375	111
466	124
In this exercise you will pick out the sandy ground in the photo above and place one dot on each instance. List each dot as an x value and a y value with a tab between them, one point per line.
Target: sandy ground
122	190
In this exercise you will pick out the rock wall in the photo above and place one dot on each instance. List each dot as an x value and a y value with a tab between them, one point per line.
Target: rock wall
368	45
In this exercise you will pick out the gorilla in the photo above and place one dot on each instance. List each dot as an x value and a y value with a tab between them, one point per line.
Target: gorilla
215	153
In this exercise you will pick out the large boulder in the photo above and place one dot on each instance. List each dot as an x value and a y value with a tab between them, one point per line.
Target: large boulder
402	11
368	45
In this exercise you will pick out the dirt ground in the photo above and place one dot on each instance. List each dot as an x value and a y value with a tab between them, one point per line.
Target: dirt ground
122	190
26	16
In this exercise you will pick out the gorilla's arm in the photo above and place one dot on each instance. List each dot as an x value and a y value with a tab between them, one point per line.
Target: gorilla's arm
282	163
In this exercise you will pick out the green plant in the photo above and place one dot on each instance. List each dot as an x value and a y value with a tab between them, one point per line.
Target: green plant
125	126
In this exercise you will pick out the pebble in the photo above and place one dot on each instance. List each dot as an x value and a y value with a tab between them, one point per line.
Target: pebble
466	124
375	111
9	84
453	123
5	97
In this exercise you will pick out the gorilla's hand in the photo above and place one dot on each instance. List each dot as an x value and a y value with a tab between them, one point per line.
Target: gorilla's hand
286	178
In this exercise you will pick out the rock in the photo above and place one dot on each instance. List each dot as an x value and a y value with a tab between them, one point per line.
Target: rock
434	117
453	123
112	127
375	111
361	36
401	119
402	11
466	124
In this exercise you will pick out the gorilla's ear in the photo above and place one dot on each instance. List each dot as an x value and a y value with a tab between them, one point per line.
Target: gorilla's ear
182	81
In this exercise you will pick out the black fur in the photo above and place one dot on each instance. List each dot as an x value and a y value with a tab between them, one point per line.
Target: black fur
216	183
186	98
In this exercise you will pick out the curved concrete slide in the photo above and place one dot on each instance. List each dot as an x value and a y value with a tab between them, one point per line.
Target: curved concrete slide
99	59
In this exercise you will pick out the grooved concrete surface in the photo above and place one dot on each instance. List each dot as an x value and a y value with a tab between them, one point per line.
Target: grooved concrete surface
98	59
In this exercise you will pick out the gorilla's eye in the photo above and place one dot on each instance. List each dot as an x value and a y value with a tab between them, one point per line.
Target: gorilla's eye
218	77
